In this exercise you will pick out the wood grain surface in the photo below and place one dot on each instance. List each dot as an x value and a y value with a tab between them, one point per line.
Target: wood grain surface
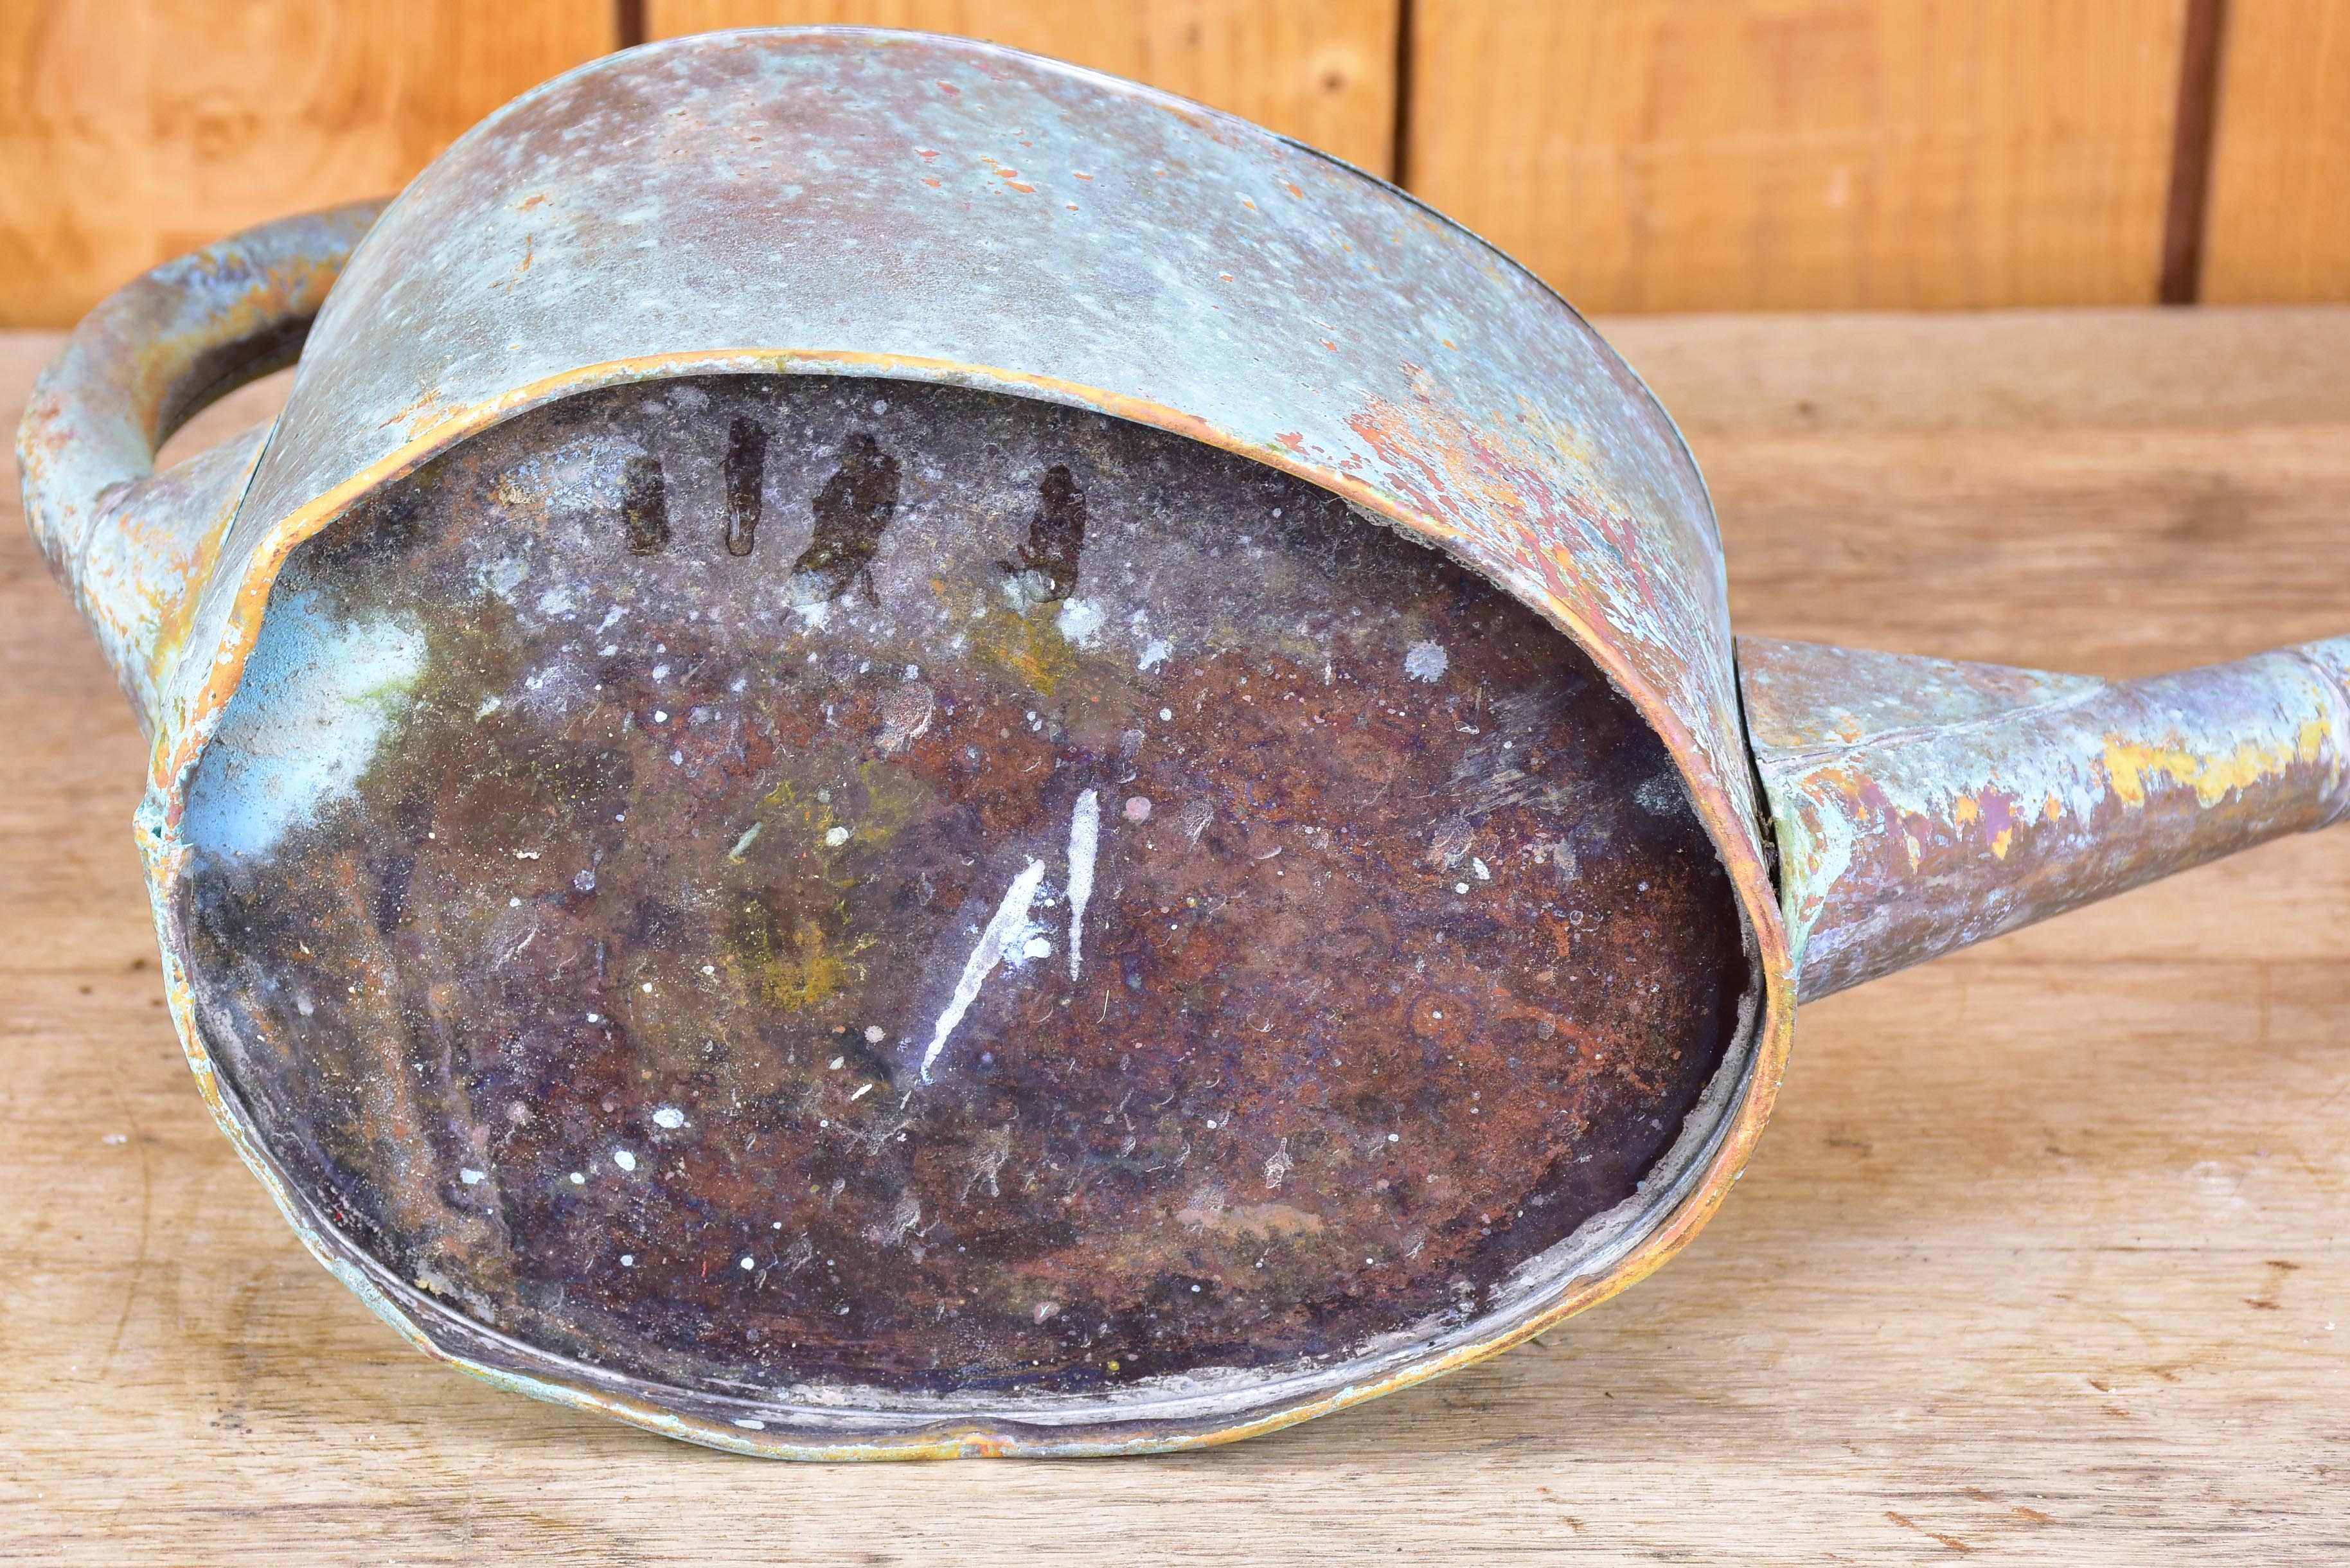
1321	70
133	130
2042	1261
2278	226
1688	154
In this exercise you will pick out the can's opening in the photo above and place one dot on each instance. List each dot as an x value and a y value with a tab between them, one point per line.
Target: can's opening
769	883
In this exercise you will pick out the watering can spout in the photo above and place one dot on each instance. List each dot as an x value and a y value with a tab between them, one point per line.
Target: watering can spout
1922	805
133	546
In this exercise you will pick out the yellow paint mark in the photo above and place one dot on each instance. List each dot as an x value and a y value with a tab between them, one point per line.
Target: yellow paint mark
1030	646
2210	774
2055	808
1966	812
797	972
1999	844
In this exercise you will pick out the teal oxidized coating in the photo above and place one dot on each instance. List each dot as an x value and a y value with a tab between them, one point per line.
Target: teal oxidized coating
1924	805
130	542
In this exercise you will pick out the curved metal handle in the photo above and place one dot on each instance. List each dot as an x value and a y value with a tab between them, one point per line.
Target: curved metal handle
132	546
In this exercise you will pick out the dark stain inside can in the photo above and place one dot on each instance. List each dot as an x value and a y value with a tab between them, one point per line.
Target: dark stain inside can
944	892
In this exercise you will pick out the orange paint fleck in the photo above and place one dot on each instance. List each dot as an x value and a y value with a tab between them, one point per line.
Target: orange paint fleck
932	184
1294	440
950	88
1294	192
1249	204
929	154
1084	176
1016	185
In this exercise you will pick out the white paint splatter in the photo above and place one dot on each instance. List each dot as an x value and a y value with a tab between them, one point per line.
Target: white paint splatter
1010	917
1085	842
1079	620
750	836
624	1159
471	1176
835	837
1425	661
668	1117
1155	652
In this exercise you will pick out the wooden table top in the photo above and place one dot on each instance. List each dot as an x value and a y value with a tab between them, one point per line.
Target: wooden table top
2043	1259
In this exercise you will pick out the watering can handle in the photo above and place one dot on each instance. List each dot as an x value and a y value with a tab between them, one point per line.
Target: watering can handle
128	542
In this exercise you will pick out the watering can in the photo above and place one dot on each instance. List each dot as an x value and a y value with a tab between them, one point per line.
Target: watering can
902	750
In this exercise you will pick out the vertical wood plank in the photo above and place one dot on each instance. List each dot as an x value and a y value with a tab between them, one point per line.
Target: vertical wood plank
1774	154
2279	223
1320	71
131	131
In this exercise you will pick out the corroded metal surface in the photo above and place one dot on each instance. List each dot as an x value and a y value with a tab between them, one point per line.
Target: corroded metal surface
792	887
1923	805
913	206
135	553
835	202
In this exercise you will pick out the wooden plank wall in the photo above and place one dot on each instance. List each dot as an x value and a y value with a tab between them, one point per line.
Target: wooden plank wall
2280	212
1805	154
132	130
1641	154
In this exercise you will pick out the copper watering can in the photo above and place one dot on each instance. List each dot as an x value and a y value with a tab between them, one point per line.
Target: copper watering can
905	751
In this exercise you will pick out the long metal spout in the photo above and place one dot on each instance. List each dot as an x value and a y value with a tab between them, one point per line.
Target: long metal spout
1923	805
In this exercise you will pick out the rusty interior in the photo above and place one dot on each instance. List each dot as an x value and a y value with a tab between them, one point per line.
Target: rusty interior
758	882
